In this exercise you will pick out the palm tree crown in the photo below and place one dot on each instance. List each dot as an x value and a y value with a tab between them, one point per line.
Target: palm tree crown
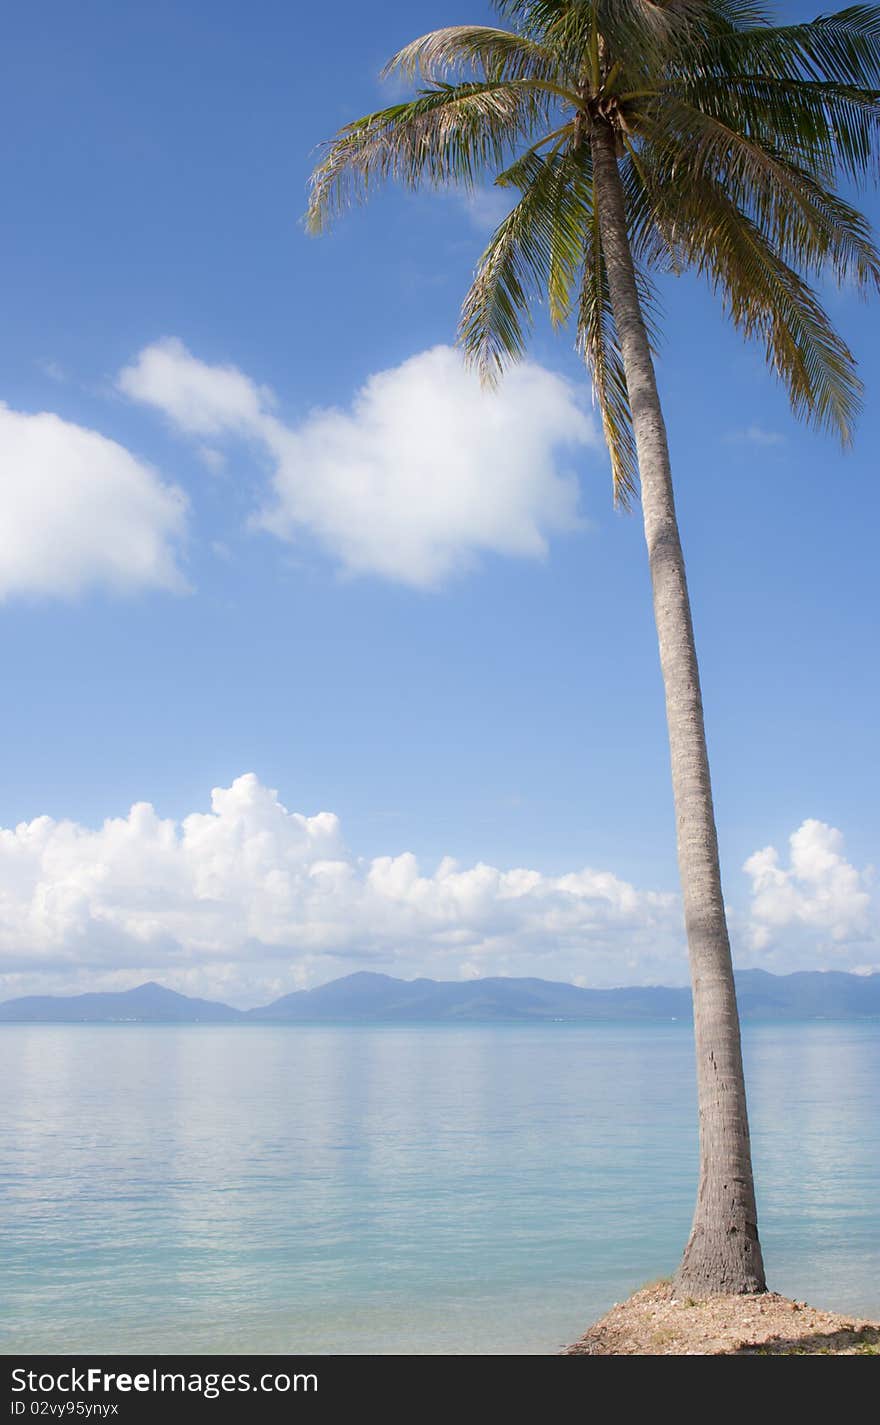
730	132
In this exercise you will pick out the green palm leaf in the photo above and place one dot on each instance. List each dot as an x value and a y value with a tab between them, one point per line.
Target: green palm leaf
599	345
765	298
843	48
536	250
447	134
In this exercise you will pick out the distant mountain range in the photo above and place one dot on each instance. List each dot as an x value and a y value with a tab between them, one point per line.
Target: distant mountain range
369	998
147	1004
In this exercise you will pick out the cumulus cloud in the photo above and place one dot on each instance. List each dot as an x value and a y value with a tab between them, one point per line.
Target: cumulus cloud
200	399
249	899
421	475
78	510
819	899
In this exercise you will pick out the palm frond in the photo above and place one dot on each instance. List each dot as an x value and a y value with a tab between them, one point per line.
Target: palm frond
766	299
644	30
828	126
811	226
498	54
843	48
447	134
534	253
739	14
650	212
598	343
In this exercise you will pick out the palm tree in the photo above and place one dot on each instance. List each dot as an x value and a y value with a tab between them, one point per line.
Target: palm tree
646	136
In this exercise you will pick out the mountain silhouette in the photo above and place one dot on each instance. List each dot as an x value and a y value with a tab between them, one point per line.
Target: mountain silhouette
367	997
146	1004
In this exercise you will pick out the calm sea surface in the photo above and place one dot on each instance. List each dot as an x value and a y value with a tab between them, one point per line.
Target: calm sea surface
386	1189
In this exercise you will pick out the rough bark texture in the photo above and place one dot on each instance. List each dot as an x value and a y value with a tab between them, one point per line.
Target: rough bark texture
723	1255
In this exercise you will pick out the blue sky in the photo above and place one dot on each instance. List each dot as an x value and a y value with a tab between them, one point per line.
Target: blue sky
206	597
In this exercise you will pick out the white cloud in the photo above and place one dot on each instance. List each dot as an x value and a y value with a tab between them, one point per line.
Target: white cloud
53	369
200	399
421	475
487	207
213	460
819	900
78	510
757	435
250	899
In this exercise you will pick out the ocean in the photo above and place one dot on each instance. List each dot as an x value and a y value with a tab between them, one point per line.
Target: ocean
482	1189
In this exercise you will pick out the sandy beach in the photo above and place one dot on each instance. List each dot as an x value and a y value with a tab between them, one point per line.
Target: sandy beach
653	1322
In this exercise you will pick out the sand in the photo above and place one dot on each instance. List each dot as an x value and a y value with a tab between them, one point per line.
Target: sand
654	1322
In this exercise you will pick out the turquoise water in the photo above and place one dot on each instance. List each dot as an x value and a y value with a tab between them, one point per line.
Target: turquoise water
402	1189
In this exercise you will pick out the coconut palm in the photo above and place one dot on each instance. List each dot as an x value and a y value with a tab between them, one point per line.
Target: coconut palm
640	137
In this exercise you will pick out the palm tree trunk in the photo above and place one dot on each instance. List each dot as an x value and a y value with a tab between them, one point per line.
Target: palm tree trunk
723	1254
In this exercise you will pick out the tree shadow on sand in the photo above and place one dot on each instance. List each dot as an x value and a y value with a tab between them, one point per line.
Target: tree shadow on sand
858	1341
